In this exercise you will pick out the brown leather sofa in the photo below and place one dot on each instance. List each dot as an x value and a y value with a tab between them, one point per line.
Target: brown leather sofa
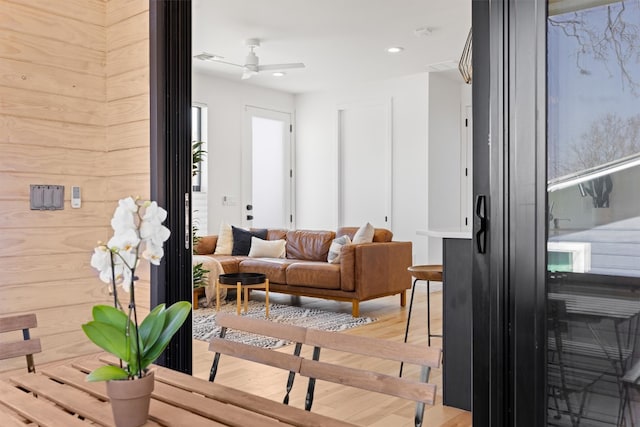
366	270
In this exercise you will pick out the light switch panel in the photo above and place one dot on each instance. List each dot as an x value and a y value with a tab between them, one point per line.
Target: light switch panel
47	197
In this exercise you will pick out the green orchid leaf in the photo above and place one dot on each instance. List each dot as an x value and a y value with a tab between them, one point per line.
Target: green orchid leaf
111	339
151	327
107	373
175	317
118	319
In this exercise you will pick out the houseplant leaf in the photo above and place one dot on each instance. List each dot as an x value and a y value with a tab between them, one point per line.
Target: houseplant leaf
151	327
108	372
110	338
175	317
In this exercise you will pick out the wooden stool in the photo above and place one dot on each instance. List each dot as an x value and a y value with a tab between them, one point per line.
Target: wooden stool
427	273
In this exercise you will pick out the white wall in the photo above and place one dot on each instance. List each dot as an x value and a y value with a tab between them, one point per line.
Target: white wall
445	124
225	101
317	155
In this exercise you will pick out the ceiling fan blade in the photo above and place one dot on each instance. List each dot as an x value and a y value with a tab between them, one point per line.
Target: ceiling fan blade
215	58
272	67
247	73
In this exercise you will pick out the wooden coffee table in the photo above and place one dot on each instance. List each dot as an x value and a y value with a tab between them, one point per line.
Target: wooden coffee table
243	282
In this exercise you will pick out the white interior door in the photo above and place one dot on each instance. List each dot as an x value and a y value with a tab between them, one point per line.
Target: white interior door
364	188
267	170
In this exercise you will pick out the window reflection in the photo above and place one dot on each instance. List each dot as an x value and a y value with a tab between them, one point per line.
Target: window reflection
593	253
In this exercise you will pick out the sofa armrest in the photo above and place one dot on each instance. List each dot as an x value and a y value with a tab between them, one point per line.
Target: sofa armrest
379	268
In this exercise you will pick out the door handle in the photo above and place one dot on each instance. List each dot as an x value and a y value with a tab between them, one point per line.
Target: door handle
249	217
481	223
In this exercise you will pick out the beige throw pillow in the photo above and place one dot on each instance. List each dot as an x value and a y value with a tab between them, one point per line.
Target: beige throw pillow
267	248
225	240
364	234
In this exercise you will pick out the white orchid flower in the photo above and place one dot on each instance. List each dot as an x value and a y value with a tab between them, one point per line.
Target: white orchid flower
125	241
154	213
134	237
153	253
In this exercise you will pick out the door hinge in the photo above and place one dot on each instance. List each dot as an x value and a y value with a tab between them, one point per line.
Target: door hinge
290	128
466	220
466	122
290	173
291	218
466	171
386	219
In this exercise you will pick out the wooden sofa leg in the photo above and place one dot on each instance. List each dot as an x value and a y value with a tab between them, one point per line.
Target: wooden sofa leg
355	308
403	298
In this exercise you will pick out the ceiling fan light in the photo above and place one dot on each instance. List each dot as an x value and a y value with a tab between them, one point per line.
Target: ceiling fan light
395	49
279	74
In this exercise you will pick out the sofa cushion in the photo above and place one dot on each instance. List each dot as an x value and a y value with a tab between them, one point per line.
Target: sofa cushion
242	239
267	248
276	234
379	235
314	275
309	245
206	245
364	234
224	245
273	268
229	263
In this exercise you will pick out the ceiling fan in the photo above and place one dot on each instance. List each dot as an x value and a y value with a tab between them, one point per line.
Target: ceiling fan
251	65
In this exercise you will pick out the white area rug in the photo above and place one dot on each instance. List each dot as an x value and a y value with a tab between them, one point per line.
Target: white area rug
204	321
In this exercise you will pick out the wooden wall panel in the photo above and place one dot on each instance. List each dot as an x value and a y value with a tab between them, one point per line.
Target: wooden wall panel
24	19
132	109
30	131
119	10
17	186
17	214
128	135
57	127
90	11
50	160
26	103
48	241
127	84
50	52
47	79
24	269
130	57
128	31
134	184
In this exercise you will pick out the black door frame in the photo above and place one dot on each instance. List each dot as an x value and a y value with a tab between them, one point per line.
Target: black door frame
170	150
509	167
509	107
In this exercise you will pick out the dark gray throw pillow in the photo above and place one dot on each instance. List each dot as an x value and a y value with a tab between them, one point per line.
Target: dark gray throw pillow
242	239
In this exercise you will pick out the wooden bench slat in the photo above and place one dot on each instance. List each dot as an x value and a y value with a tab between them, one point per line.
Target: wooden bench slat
73	400
11	349
166	414
18	322
240	398
375	347
369	380
229	414
262	327
10	419
39	411
265	356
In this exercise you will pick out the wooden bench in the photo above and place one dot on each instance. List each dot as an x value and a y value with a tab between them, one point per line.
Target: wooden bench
27	346
419	391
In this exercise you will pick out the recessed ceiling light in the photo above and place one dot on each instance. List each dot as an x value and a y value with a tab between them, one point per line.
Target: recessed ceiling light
279	74
395	49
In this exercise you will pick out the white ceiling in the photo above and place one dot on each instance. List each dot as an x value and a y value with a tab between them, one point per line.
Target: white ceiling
340	41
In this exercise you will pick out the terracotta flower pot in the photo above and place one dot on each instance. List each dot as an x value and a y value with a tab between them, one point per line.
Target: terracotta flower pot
130	400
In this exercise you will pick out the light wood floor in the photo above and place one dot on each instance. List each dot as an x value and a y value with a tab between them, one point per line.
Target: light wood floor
359	407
